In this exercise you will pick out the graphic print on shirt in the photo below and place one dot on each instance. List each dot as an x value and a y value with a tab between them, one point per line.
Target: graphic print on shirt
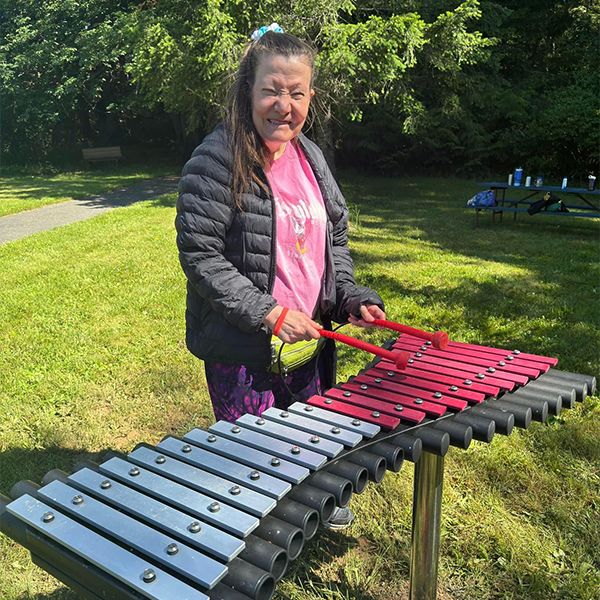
301	224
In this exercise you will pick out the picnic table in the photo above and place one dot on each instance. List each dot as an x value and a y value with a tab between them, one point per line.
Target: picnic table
579	202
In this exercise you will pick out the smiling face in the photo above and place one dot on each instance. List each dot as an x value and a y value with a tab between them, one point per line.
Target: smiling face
281	96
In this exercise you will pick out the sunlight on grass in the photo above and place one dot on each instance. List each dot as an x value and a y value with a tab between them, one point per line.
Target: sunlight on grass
92	358
24	192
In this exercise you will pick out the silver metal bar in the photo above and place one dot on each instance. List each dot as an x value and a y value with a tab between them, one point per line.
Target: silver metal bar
231	519
291	452
216	464
201	535
314	426
219	488
427	511
141	575
157	546
248	456
367	430
291	435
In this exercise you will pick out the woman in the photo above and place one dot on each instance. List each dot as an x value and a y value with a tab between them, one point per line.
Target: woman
262	231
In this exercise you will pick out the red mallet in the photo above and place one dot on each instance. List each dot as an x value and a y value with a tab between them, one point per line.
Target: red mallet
399	358
439	339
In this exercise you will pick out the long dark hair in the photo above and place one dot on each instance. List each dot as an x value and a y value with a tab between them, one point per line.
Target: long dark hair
249	152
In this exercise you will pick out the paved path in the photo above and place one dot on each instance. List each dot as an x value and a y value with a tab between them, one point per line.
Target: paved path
20	225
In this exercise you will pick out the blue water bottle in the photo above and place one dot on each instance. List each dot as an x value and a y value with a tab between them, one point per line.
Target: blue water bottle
564	183
518	177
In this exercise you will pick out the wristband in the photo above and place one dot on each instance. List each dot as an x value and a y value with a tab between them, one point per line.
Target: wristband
279	322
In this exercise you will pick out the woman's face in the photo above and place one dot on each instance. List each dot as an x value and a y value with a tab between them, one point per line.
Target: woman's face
281	96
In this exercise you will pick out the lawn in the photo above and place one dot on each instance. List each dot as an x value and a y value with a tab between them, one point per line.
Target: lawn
92	358
32	190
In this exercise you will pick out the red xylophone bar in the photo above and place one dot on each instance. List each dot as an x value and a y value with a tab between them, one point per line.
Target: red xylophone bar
414	388
384	406
447	377
528	367
505	373
499	351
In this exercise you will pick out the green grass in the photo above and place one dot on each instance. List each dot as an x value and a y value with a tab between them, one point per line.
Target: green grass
92	358
24	191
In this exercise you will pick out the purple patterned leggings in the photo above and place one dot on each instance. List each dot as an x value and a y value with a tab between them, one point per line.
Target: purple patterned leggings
237	389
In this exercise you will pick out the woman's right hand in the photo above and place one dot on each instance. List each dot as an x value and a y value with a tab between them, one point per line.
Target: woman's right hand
296	325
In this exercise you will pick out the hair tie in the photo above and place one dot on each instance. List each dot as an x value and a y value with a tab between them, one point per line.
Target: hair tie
258	33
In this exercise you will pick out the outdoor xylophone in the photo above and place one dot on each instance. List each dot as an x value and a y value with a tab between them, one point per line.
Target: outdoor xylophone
220	513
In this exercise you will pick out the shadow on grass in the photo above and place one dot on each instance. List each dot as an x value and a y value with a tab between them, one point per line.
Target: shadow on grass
59	594
137	192
23	464
166	201
100	192
80	184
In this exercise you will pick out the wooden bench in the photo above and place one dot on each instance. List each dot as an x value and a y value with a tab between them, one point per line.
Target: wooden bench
102	154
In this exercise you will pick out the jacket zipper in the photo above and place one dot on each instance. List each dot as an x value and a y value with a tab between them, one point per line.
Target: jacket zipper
273	266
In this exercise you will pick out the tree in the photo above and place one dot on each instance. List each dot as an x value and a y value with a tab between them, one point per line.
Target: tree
61	73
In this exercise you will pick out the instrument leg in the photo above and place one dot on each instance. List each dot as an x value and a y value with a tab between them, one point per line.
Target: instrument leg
427	510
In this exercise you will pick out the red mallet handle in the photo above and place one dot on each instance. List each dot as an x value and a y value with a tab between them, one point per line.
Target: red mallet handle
399	358
439	339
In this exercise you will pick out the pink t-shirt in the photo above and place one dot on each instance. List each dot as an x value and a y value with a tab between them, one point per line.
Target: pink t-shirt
301	222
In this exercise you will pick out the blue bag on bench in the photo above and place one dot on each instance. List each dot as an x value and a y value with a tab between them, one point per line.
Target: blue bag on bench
486	198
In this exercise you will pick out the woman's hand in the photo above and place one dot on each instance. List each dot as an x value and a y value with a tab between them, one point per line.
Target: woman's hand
296	325
368	313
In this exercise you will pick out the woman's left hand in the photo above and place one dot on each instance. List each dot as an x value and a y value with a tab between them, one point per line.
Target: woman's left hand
368	313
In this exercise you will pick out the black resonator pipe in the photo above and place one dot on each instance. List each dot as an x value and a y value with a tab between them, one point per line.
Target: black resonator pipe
565	390
460	434
394	455
522	413
265	555
539	408
25	486
483	428
118	592
56	475
504	420
580	387
297	514
411	446
249	580
323	502
340	487
222	592
358	475
375	465
552	398
434	440
282	534
590	380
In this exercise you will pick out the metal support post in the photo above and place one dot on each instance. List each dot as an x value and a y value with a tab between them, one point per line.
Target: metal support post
427	511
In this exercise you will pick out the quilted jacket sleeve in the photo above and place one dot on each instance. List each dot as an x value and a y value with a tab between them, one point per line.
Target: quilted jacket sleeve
205	211
349	296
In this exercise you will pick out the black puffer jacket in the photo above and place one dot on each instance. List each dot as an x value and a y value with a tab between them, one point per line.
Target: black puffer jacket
228	256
